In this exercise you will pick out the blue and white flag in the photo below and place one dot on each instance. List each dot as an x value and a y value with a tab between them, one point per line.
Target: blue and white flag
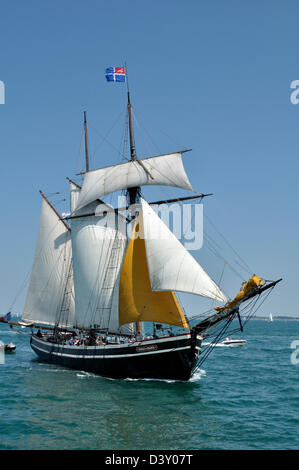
115	74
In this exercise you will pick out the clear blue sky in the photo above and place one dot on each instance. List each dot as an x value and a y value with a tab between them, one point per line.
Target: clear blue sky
213	76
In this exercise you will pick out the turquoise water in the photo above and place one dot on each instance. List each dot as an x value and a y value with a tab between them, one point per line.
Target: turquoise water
245	398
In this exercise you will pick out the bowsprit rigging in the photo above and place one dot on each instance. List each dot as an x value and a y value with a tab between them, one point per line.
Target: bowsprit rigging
103	290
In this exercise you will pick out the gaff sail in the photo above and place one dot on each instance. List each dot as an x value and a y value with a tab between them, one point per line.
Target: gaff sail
50	271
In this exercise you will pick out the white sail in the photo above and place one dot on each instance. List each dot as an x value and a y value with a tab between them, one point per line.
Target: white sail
165	170
98	247
171	267
74	195
51	273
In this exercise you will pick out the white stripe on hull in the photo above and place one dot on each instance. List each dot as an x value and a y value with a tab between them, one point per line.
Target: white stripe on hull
114	356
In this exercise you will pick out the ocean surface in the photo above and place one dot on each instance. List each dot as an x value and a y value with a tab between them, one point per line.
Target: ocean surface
244	397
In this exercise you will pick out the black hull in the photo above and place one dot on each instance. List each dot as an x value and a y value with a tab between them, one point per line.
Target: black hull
163	358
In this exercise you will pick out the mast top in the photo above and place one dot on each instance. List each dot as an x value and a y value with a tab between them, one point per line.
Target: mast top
133	193
86	144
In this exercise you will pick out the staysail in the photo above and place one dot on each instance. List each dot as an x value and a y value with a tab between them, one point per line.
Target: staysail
165	170
171	266
51	272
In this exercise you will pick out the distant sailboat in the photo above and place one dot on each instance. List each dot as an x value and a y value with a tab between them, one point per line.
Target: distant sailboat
270	317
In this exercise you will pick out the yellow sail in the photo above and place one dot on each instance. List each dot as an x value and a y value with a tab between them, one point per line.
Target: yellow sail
137	301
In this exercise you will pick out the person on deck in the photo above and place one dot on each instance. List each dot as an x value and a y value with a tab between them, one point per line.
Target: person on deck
92	338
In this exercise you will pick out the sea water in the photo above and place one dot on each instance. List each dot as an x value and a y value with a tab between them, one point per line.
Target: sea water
242	398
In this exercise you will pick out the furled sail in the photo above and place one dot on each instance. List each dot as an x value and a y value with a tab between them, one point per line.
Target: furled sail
171	266
137	301
165	170
51	272
98	244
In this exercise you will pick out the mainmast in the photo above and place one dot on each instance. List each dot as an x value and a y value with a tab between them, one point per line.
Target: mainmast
86	143
132	193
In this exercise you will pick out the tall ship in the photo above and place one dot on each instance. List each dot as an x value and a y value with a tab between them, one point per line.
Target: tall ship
102	296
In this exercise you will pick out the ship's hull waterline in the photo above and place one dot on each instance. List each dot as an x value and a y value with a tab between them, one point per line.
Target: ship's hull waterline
163	358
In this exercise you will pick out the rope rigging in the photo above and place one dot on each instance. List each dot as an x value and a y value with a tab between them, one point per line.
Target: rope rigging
217	332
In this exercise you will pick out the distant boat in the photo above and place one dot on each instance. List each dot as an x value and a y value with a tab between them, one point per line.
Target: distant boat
8	348
233	342
227	342
271	317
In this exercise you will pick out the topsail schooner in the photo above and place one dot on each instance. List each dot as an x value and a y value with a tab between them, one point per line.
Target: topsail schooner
93	286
